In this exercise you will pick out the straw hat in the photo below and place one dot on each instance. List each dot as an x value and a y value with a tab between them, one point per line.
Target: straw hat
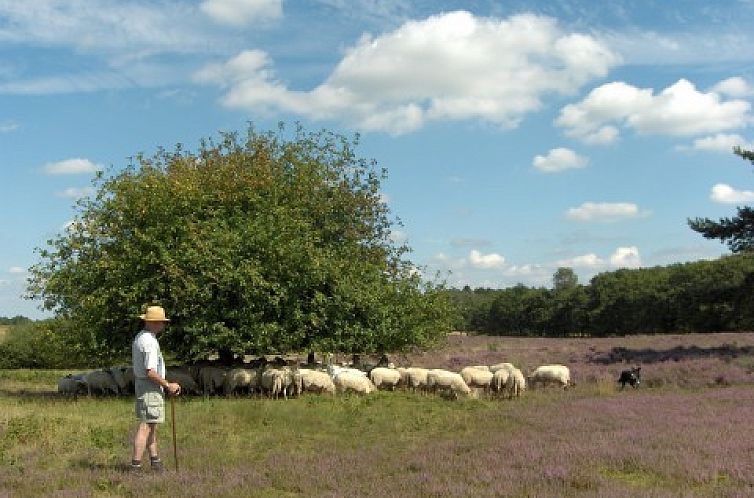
154	314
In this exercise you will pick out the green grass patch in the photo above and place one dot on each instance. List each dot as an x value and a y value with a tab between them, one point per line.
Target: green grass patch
635	476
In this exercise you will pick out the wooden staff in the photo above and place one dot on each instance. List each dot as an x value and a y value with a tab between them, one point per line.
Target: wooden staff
172	416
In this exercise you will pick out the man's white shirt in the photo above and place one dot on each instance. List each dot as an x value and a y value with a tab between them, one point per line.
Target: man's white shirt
146	355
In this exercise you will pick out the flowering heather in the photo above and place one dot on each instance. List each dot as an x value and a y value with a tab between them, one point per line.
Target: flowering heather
686	431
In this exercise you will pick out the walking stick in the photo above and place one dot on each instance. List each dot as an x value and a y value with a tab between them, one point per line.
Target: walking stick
172	416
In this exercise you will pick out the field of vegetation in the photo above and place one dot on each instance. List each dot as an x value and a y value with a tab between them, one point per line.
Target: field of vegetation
3	330
686	431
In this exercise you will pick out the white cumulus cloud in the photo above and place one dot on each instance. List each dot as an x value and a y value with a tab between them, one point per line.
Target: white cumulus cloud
734	87
604	212
242	12
720	142
71	167
589	261
559	159
725	194
486	261
625	257
16	270
451	66
679	109
622	257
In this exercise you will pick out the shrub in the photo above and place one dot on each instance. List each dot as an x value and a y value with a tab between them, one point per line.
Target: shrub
42	344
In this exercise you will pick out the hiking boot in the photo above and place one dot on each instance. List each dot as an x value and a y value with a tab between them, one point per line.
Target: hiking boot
157	466
135	469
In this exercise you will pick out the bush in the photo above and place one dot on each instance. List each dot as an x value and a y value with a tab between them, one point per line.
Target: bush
42	344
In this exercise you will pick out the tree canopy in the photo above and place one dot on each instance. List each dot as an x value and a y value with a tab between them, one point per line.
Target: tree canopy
257	243
738	231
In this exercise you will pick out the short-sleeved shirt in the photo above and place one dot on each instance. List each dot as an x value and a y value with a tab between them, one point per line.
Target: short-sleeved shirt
146	355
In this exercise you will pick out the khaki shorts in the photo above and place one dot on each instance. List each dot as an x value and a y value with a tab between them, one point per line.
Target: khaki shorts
150	407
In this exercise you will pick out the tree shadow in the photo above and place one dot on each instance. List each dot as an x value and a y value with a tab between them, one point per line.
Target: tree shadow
678	353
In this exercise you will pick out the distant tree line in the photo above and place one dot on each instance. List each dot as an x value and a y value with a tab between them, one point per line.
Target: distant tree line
16	320
702	296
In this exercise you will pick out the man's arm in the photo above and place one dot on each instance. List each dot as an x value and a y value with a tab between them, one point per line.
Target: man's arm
172	387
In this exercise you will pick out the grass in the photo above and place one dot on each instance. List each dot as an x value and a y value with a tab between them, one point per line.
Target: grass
673	439
3	331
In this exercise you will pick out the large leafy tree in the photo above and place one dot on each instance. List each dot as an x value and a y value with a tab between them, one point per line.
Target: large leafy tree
737	232
268	242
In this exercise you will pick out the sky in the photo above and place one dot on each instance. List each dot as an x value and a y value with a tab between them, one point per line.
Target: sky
518	136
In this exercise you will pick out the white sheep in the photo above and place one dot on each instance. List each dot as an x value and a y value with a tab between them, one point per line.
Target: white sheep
102	382
71	386
351	381
450	383
183	379
387	378
335	370
211	379
500	380
551	374
316	381
119	377
482	367
416	378
245	379
474	377
499	366
277	381
516	384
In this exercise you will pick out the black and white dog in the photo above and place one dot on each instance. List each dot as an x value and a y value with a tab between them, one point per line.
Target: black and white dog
632	377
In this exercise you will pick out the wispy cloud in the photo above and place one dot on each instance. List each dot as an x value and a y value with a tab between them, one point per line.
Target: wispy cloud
452	66
76	192
8	126
604	212
241	13
74	166
104	26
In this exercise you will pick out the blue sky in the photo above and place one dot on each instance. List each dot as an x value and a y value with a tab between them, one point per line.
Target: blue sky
519	136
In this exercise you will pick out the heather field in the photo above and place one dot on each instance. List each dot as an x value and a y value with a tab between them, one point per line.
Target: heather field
687	431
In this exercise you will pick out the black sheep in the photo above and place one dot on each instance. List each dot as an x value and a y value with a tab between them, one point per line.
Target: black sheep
632	376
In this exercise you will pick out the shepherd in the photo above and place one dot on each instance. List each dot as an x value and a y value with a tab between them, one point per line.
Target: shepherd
149	373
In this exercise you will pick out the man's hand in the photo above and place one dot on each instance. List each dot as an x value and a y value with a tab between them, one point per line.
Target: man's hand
173	388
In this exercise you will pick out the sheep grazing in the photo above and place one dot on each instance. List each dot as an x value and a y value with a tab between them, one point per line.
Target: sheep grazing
183	379
551	374
385	378
316	381
349	381
416	378
474	377
500	380
277	381
631	376
449	383
100	382
516	384
212	379
241	379
119	378
70	386
501	366
482	367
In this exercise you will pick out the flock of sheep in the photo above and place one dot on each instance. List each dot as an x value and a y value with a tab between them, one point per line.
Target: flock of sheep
276	380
